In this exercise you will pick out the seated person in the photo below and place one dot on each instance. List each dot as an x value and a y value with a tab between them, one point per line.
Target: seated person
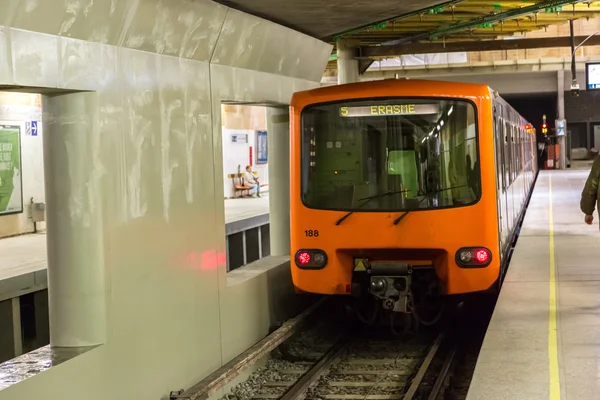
252	181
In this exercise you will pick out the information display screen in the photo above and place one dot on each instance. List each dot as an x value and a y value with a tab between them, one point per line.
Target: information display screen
389	109
592	74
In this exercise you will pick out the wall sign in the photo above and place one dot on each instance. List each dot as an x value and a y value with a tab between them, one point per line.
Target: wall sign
239	138
592	75
11	183
560	127
262	153
31	128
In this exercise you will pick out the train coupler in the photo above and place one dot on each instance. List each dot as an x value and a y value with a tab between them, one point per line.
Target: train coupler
388	281
393	291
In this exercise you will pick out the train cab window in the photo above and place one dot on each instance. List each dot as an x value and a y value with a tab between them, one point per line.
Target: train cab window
389	155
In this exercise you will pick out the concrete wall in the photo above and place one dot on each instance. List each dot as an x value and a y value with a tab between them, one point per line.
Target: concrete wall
17	109
517	83
144	187
584	108
246	120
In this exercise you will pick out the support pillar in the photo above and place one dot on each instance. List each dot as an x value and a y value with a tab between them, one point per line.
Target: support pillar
347	63
278	146
77	292
561	115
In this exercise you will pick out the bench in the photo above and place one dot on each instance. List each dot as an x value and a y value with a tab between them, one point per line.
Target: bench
239	186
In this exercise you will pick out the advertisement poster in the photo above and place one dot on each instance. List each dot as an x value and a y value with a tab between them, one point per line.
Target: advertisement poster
261	147
11	195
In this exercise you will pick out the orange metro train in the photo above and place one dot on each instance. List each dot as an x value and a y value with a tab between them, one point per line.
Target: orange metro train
406	191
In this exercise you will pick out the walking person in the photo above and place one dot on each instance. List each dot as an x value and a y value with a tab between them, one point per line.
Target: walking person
591	193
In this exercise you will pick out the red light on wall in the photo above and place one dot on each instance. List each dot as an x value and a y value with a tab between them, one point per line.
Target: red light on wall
482	256
304	258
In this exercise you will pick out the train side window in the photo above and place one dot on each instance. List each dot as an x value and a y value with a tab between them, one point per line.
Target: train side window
514	150
504	165
512	154
508	153
515	156
515	153
496	145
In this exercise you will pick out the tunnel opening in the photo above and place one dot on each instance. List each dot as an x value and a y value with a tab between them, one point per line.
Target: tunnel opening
533	107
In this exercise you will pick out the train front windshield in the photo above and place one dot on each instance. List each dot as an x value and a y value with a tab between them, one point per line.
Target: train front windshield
389	155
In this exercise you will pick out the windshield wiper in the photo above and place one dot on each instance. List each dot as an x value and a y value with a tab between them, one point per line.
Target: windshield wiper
400	218
426	196
339	221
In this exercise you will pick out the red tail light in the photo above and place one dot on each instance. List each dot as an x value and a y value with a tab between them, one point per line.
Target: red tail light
310	259
473	257
482	256
304	258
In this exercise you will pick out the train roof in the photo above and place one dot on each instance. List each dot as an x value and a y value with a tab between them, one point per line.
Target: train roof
392	87
398	87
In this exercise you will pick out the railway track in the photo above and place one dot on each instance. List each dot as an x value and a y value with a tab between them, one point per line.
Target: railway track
360	366
332	359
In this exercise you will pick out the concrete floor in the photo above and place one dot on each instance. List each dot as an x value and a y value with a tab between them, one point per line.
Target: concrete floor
537	348
22	255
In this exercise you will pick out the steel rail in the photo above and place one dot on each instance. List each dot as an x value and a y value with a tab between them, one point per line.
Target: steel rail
416	383
312	375
437	386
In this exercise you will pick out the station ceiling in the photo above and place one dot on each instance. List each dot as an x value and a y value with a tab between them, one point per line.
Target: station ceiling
388	28
325	18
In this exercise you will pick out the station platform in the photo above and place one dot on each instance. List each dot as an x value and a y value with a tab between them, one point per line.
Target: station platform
543	340
241	209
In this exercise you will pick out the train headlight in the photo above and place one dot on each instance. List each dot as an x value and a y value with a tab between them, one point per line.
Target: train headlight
310	259
319	258
465	256
473	257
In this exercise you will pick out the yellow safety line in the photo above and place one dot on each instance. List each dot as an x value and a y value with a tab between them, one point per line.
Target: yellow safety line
552	339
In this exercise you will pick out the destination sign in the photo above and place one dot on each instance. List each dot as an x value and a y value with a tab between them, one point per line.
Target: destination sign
390	109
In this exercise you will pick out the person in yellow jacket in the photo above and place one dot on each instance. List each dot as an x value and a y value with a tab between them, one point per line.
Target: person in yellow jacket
590	197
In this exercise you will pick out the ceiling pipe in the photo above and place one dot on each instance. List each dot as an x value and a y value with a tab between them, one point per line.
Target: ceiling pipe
432	35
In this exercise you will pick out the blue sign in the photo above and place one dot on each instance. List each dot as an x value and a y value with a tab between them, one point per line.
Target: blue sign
560	127
261	147
31	128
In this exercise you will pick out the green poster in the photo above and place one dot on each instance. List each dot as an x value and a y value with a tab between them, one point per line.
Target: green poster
11	196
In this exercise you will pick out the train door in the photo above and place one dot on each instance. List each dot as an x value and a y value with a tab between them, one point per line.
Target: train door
498	164
507	173
502	194
514	187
